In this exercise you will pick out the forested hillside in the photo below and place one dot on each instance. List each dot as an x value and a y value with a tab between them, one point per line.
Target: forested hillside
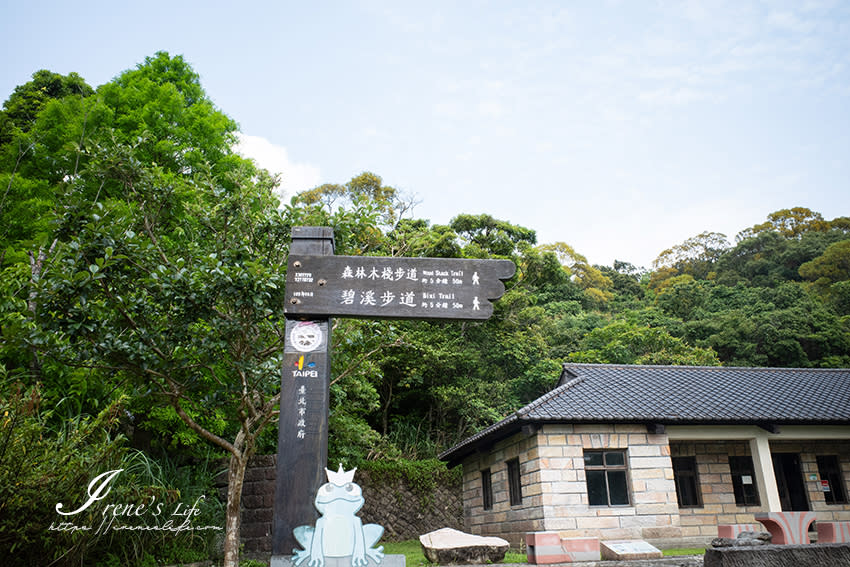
141	305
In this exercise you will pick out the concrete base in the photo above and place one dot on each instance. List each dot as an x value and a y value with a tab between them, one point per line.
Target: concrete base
549	547
388	561
833	532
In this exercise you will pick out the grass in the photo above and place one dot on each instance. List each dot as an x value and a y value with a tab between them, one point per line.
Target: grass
412	551
684	551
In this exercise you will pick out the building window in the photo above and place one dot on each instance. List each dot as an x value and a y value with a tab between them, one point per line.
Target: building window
687	482
607	483
487	489
514	484
744	481
832	482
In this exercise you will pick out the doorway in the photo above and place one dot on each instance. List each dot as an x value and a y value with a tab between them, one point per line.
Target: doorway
789	481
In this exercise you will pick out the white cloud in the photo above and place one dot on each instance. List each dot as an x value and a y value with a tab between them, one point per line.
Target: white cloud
491	108
294	177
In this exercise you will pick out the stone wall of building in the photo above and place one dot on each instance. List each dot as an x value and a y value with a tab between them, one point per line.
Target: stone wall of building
554	491
715	480
718	497
399	508
503	519
653	509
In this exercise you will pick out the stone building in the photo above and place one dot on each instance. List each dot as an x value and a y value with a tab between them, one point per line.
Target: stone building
659	452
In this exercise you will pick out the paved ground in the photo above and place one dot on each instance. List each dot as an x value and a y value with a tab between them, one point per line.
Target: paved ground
679	561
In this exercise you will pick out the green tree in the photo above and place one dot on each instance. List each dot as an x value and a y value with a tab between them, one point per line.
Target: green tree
28	100
761	326
622	342
188	309
596	285
161	269
830	272
790	223
483	236
695	256
769	258
364	190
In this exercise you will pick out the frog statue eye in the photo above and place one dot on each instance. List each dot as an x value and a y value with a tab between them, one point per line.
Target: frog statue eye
349	487
329	488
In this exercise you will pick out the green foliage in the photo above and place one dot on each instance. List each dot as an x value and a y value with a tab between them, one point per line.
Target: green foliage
790	223
782	326
40	467
28	100
421	476
695	256
622	342
830	273
769	258
43	465
482	236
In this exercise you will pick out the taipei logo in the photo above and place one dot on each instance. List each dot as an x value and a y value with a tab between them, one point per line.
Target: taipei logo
304	368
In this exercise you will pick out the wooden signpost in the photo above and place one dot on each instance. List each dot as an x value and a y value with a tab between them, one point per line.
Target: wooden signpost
320	286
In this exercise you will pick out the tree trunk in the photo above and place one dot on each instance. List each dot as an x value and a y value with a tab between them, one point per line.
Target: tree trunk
36	269
235	479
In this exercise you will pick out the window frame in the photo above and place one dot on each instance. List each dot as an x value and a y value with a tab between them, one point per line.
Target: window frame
514	482
690	475
608	471
487	488
837	490
739	467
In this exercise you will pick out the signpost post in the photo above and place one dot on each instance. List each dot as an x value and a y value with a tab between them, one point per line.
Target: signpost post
320	286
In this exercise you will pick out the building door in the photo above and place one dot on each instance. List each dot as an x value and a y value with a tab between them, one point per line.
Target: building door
789	481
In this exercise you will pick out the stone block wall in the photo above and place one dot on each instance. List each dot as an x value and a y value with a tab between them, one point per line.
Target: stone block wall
653	509
503	519
555	492
397	507
715	480
404	512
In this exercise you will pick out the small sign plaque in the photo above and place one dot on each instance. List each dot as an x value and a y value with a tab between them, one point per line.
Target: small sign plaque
394	288
628	549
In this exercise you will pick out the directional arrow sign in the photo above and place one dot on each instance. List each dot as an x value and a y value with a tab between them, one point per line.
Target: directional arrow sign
394	288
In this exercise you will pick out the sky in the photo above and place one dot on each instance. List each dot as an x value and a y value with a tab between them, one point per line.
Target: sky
619	127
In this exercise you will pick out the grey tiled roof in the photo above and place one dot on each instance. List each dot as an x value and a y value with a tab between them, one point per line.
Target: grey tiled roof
680	395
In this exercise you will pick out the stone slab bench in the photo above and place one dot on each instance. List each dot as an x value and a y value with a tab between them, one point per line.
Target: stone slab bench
787	527
732	530
833	532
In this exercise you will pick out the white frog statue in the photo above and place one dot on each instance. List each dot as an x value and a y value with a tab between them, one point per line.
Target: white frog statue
338	532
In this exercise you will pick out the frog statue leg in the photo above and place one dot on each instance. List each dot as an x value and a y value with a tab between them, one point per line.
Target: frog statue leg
311	540
364	538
